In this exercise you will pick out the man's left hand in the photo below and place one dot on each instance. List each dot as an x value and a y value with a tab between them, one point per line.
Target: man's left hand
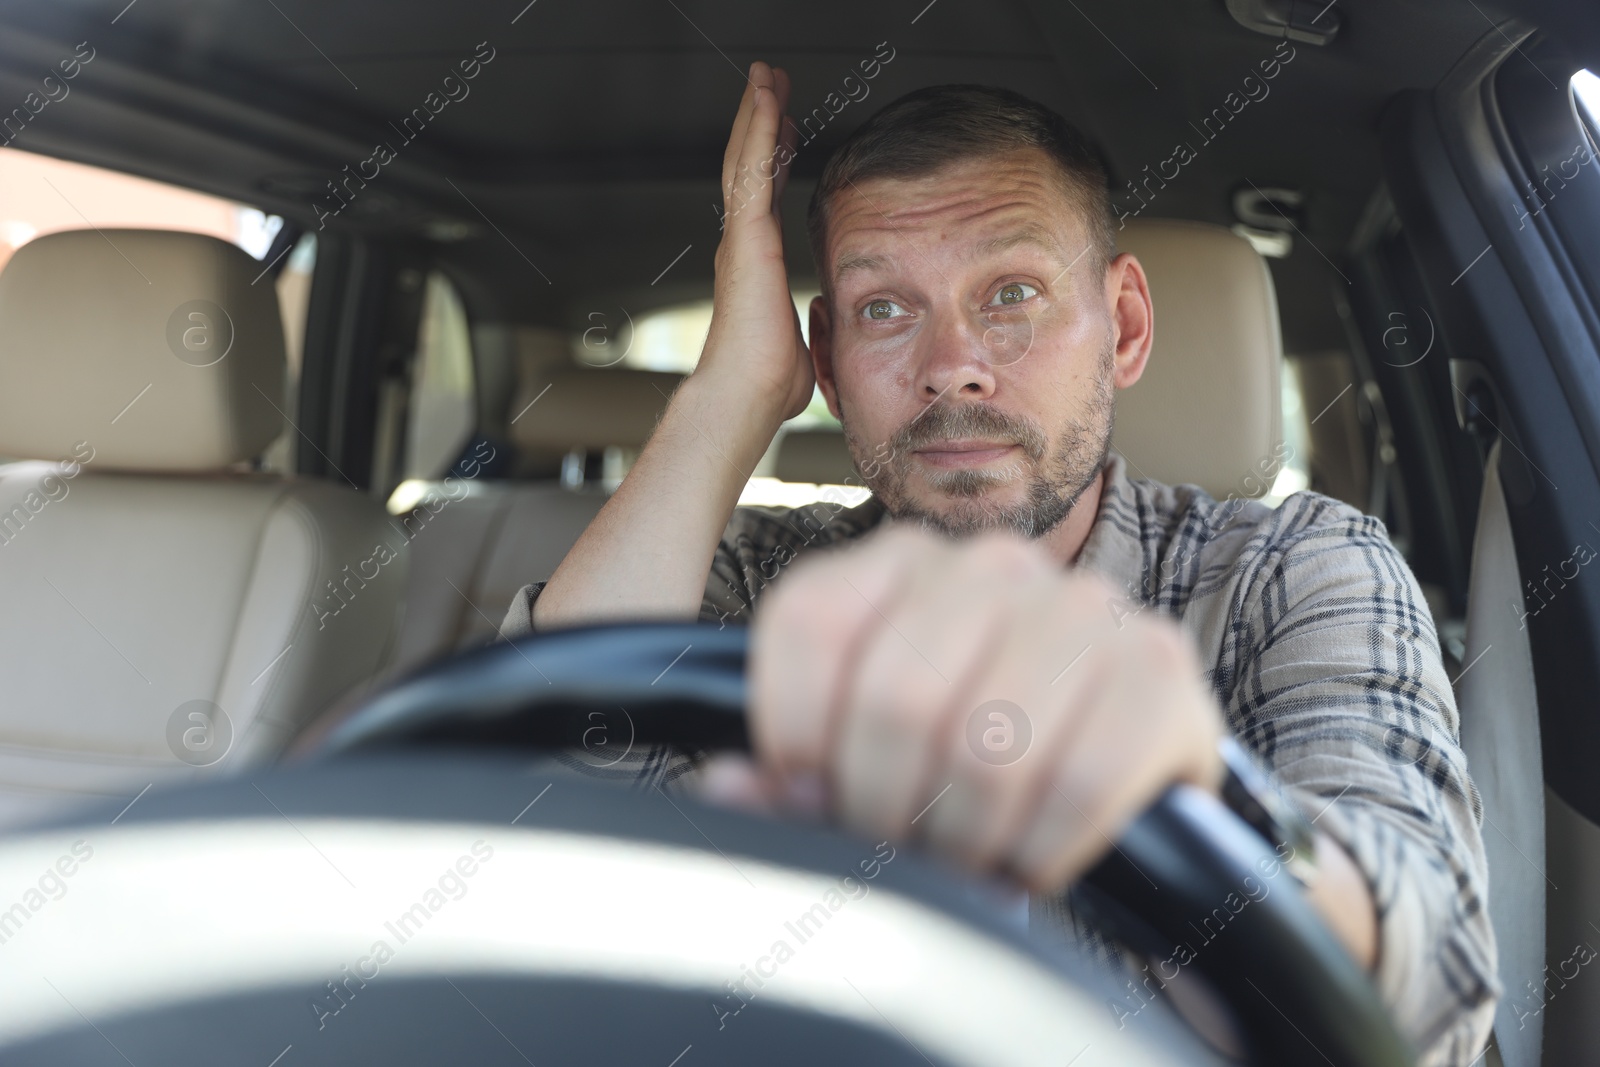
1013	714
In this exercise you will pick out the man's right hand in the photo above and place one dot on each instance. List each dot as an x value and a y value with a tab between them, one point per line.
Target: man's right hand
649	551
755	351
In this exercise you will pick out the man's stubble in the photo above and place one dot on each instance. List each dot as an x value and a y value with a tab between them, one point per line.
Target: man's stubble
1057	469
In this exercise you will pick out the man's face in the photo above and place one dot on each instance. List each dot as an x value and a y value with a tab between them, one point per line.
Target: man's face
971	341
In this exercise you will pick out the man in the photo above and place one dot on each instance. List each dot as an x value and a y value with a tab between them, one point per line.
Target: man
974	322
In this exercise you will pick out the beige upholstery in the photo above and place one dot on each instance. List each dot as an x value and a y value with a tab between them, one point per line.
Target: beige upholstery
1208	408
129	593
474	555
152	346
1500	736
482	541
590	409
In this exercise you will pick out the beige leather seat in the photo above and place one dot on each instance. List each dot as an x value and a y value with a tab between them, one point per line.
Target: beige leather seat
1208	410
1500	734
476	551
145	578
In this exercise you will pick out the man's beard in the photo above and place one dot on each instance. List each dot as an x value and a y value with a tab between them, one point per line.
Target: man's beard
1058	469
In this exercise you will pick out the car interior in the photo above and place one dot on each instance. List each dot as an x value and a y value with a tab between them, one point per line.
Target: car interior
316	347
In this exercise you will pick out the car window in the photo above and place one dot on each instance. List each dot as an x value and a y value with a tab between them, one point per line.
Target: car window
1586	93
670	339
41	195
294	296
441	414
1295	472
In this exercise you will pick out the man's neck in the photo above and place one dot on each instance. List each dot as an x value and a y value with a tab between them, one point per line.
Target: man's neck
1066	541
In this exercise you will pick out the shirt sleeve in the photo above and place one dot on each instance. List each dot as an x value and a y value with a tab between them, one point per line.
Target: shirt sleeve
1341	690
754	548
519	616
727	597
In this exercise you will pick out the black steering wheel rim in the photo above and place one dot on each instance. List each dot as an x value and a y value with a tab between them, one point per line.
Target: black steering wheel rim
1182	869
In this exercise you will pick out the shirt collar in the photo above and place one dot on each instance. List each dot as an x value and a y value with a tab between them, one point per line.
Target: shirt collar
1113	548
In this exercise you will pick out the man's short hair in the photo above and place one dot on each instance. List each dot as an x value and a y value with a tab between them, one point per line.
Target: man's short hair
930	128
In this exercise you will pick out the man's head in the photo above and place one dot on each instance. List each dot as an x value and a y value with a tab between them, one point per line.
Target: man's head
975	316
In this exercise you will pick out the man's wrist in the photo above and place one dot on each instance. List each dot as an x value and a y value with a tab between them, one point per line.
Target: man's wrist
1256	799
740	421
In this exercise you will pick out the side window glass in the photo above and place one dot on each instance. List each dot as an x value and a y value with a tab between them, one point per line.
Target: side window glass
294	295
443	409
670	339
1586	95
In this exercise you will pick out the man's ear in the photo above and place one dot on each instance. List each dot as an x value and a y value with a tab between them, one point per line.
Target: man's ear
822	352
1132	318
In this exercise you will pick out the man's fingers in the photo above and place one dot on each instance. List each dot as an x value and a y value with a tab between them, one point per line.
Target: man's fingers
883	673
788	148
784	152
730	154
804	643
780	88
736	781
1150	724
754	174
920	676
760	74
996	758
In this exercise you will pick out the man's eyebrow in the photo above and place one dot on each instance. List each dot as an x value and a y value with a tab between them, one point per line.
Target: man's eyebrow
1030	234
855	261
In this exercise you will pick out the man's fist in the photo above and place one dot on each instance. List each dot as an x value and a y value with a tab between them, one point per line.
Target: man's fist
975	695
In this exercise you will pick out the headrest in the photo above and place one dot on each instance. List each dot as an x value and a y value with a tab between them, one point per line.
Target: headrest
154	347
592	409
1208	408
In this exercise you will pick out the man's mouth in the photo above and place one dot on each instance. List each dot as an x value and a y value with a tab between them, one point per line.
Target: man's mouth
965	452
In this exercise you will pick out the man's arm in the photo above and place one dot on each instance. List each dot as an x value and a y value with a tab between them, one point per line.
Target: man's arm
871	670
649	550
1341	690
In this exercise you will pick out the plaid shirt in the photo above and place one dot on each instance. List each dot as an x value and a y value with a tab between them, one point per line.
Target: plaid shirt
1324	658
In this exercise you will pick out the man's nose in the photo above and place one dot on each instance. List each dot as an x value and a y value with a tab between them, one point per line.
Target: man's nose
954	360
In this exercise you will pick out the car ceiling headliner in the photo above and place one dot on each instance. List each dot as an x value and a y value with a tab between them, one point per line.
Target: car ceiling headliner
587	155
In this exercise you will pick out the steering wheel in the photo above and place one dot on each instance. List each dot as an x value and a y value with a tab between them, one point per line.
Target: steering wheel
1179	875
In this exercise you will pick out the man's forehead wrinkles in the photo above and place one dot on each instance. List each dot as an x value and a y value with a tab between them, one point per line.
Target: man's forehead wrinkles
992	211
1029	233
963	206
881	255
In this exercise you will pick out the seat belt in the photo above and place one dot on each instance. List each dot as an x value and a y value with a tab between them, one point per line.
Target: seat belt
1500	735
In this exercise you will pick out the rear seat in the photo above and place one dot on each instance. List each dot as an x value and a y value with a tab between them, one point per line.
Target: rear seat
475	543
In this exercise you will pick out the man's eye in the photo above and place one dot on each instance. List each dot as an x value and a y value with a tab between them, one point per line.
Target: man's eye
883	309
1013	293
